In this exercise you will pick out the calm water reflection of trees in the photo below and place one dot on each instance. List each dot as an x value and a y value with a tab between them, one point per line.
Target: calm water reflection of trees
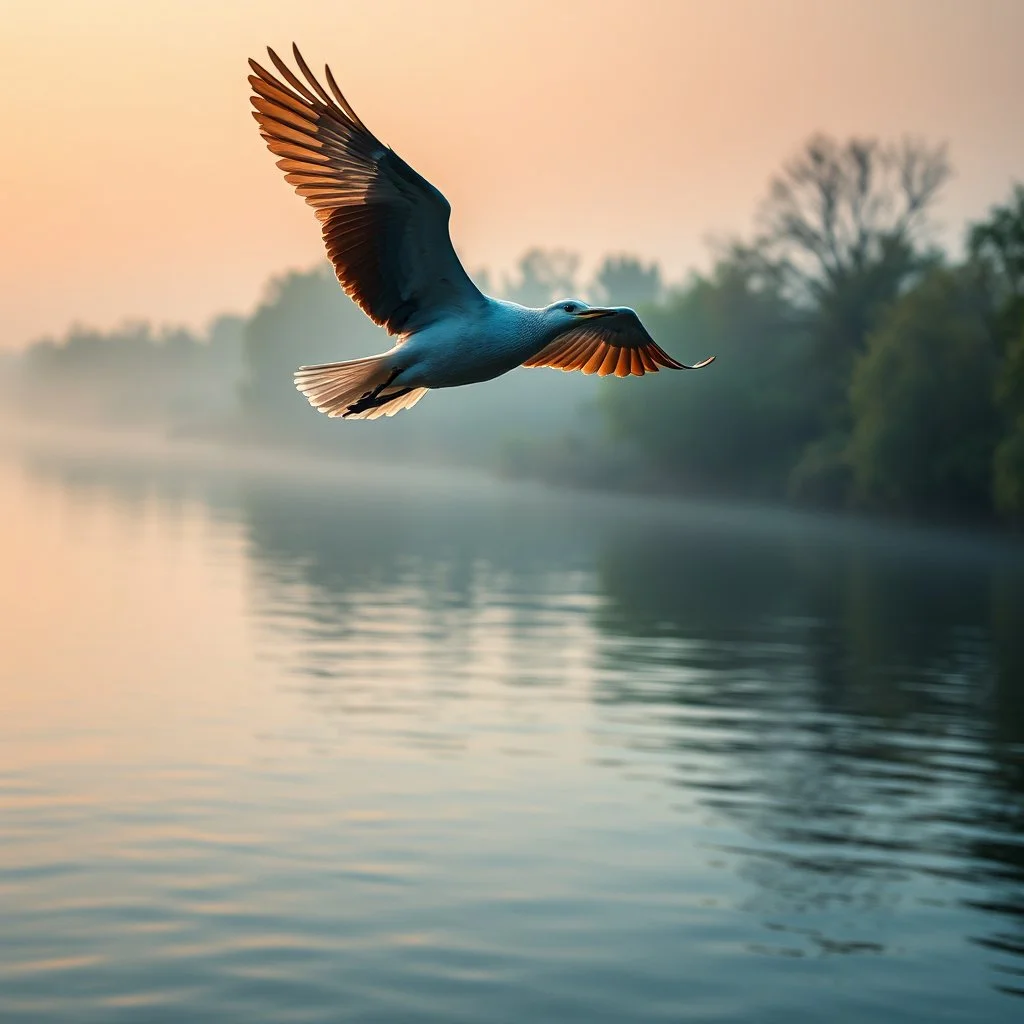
862	697
852	697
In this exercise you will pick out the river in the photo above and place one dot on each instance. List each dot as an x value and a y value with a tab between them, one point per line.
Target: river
316	743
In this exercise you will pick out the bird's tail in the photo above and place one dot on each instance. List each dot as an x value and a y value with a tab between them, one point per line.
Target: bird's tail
357	390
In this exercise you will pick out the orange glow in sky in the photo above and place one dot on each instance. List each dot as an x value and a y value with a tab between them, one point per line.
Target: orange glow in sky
134	183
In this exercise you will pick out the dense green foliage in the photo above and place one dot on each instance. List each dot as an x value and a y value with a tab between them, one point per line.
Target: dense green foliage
924	424
738	426
855	369
997	248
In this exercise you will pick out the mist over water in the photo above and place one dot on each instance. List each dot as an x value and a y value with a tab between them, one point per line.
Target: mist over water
322	742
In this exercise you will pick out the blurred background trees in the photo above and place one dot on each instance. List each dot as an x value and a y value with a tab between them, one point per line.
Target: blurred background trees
731	433
304	318
859	366
996	246
923	420
847	226
133	375
543	275
624	280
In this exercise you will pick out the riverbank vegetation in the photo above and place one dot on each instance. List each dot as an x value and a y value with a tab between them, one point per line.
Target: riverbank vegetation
860	365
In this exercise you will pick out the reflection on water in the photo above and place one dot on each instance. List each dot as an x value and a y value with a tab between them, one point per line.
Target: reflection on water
856	711
367	746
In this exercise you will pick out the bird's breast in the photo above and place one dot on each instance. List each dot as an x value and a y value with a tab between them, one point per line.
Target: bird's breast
467	350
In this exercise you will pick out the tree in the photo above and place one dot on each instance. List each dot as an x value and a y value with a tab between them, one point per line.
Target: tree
846	224
1008	467
544	275
736	427
305	318
1008	473
135	374
226	336
996	246
625	281
836	210
924	421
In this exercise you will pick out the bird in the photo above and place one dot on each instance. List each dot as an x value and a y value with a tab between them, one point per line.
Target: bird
385	228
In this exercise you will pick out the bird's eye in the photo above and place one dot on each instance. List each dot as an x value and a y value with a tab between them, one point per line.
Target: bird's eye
569	308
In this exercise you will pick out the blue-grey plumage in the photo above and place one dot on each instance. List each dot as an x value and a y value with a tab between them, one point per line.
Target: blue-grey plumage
457	350
386	232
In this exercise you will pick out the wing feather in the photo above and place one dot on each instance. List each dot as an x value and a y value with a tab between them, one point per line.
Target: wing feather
614	343
611	360
385	227
595	361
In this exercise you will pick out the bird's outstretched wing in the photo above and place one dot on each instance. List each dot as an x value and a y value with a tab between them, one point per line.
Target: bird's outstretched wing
616	343
384	225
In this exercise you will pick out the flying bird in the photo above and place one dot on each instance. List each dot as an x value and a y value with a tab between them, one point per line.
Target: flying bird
386	232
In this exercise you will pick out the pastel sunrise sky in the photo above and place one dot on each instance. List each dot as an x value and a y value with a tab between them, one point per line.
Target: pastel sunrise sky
134	183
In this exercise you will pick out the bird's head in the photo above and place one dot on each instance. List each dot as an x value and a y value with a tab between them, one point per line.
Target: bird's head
566	313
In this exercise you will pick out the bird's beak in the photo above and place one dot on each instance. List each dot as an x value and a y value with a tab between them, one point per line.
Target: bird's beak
594	313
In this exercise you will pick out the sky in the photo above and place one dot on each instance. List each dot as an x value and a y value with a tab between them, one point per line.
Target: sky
134	183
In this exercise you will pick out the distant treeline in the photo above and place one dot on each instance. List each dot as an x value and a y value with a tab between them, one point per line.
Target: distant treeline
859	365
135	375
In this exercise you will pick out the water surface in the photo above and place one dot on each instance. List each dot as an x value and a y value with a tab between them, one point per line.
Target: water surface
354	745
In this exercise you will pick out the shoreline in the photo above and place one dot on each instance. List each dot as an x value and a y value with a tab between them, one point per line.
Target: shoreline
153	450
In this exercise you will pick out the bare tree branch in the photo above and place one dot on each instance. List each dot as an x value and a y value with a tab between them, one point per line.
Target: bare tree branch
836	208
